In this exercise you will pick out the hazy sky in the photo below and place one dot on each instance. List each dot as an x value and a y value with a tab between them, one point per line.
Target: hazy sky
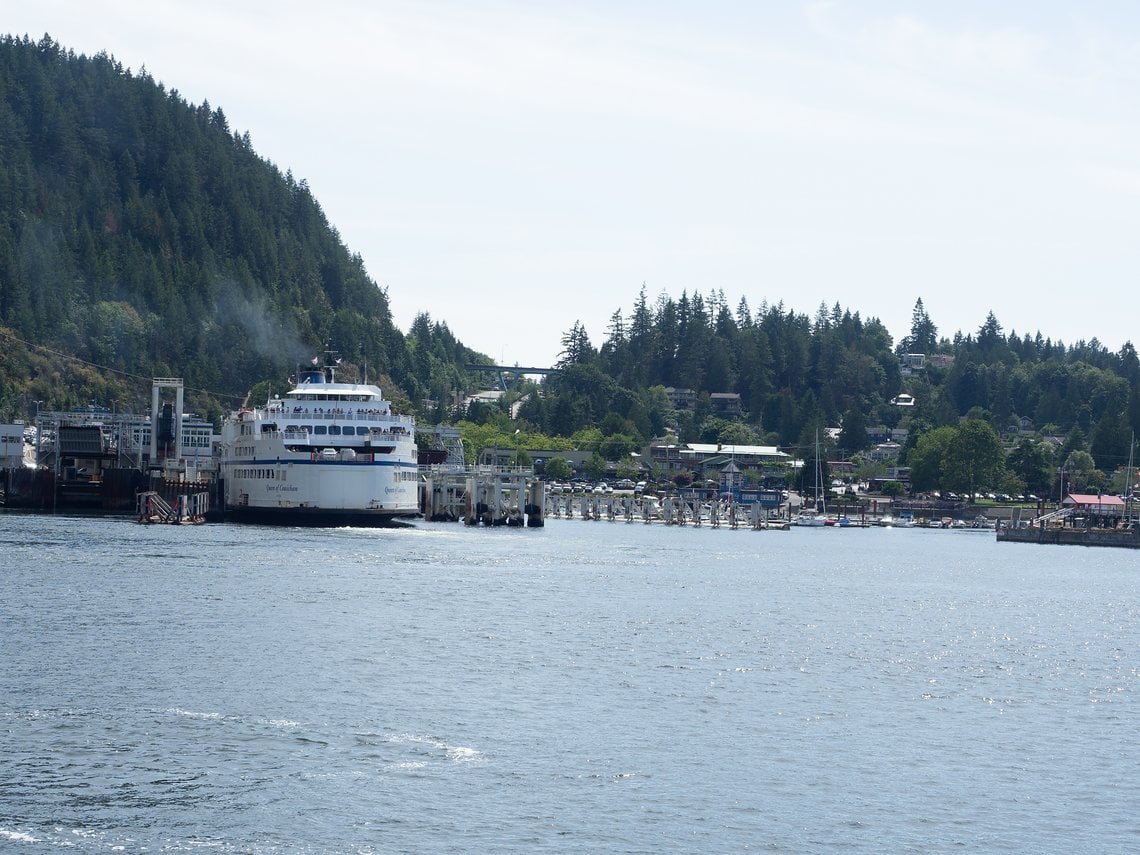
513	167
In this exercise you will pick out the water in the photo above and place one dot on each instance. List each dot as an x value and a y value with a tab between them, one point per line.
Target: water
589	687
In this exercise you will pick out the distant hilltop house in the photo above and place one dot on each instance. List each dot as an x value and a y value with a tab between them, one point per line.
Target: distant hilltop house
883	452
681	399
882	433
913	363
903	399
725	403
720	403
1024	426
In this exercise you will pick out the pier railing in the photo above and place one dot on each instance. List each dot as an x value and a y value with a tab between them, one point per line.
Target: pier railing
337	414
1058	515
189	508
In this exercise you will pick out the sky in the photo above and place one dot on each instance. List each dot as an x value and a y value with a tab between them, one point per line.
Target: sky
512	168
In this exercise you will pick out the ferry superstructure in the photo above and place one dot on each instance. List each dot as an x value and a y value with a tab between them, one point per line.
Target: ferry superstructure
327	453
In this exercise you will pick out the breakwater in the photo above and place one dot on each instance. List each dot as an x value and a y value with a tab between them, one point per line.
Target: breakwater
1127	538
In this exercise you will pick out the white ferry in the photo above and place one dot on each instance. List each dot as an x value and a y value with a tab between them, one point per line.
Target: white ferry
327	453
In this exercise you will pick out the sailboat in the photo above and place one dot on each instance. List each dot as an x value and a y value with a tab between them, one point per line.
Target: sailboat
816	516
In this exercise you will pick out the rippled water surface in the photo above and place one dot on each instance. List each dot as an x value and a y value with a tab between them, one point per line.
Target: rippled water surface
587	687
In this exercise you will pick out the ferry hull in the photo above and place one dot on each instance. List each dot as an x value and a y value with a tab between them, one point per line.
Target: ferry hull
320	517
321	495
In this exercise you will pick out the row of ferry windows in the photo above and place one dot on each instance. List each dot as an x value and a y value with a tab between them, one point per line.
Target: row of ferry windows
282	475
340	397
271	474
325	430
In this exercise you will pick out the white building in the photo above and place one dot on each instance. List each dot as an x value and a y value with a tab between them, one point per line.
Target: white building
12	446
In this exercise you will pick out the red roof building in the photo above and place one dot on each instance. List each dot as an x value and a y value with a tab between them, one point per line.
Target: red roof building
1092	503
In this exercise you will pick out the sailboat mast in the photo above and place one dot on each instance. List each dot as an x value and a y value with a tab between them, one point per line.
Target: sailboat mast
1128	486
820	499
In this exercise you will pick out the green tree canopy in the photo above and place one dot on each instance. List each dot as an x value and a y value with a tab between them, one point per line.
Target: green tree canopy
1079	469
925	459
974	459
853	436
1035	463
557	469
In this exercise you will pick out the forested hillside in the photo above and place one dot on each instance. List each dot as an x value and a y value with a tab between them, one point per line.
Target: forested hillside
140	236
1054	405
139	233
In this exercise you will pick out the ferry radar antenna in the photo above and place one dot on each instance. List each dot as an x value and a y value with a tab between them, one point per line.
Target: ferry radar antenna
332	360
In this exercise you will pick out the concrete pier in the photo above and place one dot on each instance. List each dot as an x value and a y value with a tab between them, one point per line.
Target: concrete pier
482	495
489	496
670	510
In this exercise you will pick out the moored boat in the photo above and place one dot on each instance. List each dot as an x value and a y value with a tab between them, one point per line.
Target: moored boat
815	516
809	517
327	453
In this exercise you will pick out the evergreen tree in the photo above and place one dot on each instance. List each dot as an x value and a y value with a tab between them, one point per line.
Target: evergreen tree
576	347
853	436
923	336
